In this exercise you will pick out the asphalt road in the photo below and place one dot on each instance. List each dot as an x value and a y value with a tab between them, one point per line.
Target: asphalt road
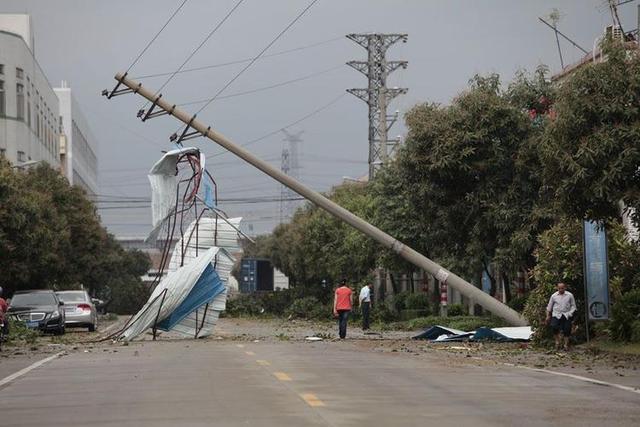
227	383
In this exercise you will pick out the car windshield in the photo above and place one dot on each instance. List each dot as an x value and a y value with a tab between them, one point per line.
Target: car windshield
72	296
39	298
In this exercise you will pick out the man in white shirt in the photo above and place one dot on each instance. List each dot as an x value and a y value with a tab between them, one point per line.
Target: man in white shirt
560	310
365	305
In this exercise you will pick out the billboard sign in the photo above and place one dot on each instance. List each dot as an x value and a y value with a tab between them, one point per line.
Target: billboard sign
596	270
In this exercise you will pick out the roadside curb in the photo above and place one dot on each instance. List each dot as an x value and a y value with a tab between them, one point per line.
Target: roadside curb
7	380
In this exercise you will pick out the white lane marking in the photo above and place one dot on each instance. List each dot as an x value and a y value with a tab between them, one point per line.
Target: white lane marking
28	369
585	379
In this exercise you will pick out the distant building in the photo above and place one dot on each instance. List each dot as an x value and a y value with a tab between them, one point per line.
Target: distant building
29	111
78	152
37	122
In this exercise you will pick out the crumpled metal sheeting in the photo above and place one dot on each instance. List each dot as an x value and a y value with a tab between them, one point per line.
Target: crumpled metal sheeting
175	286
164	183
439	333
223	261
194	322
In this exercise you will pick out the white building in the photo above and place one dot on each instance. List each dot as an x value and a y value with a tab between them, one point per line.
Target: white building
29	112
38	122
78	150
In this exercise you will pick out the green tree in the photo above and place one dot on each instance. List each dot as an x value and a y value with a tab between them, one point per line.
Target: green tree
463	188
51	237
590	153
315	246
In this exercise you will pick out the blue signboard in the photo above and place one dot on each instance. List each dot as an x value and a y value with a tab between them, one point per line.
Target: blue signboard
596	270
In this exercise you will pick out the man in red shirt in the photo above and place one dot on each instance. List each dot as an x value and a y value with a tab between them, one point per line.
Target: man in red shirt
342	303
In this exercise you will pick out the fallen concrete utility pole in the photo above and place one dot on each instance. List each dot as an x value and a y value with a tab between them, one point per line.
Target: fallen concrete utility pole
195	129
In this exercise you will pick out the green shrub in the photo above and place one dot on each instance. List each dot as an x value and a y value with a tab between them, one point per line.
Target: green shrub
244	305
18	332
417	301
304	308
456	310
321	312
635	331
535	311
128	296
399	301
413	314
625	317
277	302
381	313
518	303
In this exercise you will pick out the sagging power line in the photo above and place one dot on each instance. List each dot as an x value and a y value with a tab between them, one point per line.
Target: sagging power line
245	68
238	61
153	39
202	43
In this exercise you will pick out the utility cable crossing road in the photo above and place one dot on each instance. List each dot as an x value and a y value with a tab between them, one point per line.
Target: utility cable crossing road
227	383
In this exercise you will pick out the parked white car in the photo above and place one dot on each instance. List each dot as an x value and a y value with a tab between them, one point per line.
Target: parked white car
79	309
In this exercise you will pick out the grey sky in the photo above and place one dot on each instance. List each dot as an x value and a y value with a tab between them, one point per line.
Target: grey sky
87	41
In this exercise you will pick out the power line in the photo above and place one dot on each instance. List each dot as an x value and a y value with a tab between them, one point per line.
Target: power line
260	89
156	36
245	68
239	61
303	118
211	33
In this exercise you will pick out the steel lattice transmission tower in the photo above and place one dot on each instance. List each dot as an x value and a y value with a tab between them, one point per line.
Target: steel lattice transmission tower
290	165
377	95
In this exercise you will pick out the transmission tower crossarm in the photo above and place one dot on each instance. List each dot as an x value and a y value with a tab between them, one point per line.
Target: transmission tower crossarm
362	66
409	254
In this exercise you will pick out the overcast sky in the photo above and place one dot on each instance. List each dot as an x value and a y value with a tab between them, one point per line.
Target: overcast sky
85	42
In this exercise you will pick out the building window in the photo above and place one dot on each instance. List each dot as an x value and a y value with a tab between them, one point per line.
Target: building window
29	108
37	116
20	101
19	73
2	103
21	156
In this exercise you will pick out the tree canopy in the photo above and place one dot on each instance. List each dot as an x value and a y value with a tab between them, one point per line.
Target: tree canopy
591	152
51	237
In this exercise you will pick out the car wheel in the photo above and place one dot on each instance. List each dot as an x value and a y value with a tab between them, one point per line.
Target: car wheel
92	327
60	331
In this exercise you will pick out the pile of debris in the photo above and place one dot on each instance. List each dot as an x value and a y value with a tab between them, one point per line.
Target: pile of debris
438	333
189	298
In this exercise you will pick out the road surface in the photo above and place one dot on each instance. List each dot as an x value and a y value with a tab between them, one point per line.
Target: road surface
232	383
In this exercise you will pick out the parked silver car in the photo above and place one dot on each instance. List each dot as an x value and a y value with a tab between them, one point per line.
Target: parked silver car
79	309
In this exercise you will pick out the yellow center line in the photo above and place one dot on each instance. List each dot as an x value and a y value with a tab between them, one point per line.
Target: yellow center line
263	362
250	353
282	376
312	399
